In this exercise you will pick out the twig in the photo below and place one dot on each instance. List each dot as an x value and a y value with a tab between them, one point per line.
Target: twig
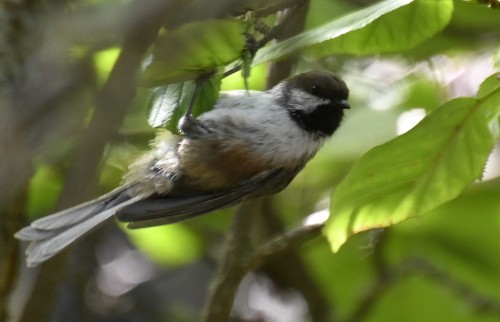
386	277
480	302
378	241
240	258
278	6
294	20
11	220
232	268
281	243
295	13
289	269
297	7
270	9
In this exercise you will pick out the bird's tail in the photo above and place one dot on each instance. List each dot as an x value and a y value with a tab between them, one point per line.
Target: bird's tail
49	235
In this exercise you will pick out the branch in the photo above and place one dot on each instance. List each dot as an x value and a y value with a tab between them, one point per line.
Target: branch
277	265
15	163
111	105
9	250
114	98
240	258
287	240
386	277
289	25
283	29
476	300
232	267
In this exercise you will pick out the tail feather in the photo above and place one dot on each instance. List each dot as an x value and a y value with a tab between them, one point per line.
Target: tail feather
71	216
33	234
51	234
41	250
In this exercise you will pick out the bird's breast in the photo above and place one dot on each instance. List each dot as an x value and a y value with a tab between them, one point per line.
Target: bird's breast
214	164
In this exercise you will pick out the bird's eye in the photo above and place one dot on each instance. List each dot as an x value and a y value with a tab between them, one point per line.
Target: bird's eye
315	90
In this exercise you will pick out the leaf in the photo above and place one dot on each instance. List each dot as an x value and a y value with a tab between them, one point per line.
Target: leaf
187	52
489	84
416	172
388	26
168	103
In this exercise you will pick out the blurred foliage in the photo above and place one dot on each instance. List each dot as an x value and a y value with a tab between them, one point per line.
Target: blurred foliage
395	55
180	245
46	185
104	61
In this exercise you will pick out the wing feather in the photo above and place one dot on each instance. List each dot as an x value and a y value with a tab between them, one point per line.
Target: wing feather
157	210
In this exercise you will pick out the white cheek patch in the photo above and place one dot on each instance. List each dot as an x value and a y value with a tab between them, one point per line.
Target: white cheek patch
301	100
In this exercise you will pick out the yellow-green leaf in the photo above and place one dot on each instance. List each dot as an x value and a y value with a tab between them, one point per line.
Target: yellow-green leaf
185	53
387	26
420	170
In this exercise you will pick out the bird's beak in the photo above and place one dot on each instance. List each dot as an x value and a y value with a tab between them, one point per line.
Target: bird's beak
344	104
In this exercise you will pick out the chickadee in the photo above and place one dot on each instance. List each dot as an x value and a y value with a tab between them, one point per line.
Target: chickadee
250	144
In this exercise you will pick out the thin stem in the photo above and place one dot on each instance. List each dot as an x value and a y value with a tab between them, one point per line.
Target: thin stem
232	267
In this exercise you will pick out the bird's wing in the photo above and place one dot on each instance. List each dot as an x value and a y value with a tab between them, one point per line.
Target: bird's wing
158	210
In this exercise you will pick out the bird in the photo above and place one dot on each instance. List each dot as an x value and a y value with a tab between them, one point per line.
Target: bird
250	144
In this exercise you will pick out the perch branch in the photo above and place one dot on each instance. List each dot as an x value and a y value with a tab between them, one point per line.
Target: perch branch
292	238
231	269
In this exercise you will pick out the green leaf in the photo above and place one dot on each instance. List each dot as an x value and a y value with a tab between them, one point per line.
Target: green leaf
168	103
388	26
417	171
187	52
489	85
